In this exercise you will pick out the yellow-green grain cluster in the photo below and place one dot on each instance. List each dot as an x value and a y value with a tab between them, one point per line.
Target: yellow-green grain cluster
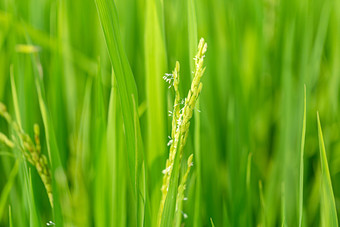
30	150
181	118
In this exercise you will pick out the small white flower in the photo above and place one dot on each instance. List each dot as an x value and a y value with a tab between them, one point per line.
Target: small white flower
169	78
170	141
165	171
185	216
50	223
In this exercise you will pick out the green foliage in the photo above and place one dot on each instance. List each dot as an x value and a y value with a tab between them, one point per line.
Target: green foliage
328	208
89	73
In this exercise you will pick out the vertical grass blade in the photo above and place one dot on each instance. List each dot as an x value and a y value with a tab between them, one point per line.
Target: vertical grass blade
7	188
320	40
52	148
212	223
155	67
127	92
10	216
301	159
116	148
328	209
33	212
102	181
15	98
283	206
83	156
34	218
249	191
263	215
192	34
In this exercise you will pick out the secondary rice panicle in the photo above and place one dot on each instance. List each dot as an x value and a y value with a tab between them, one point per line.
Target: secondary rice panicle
31	151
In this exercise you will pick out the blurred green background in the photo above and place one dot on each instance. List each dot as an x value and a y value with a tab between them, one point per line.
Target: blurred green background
245	137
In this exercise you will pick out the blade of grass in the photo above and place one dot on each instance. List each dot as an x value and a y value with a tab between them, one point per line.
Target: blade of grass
301	159
320	40
192	34
52	148
15	97
117	155
34	219
7	188
263	219
249	195
328	209
63	41
102	181
10	216
283	206
127	92
155	67
83	153
212	223
33	212
143	201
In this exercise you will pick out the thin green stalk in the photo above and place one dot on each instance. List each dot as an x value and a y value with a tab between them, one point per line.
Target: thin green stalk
301	159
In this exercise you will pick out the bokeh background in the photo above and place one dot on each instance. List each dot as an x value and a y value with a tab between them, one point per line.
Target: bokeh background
245	134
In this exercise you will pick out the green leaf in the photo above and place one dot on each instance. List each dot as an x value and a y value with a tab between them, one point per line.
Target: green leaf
328	209
212	223
301	159
15	98
192	34
116	153
123	75
34	217
155	67
128	95
10	216
52	148
7	188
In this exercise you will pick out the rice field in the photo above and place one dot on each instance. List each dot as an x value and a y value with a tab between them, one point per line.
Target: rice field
169	113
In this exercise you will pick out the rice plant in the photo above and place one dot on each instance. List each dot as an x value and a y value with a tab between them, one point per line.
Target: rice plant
243	131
